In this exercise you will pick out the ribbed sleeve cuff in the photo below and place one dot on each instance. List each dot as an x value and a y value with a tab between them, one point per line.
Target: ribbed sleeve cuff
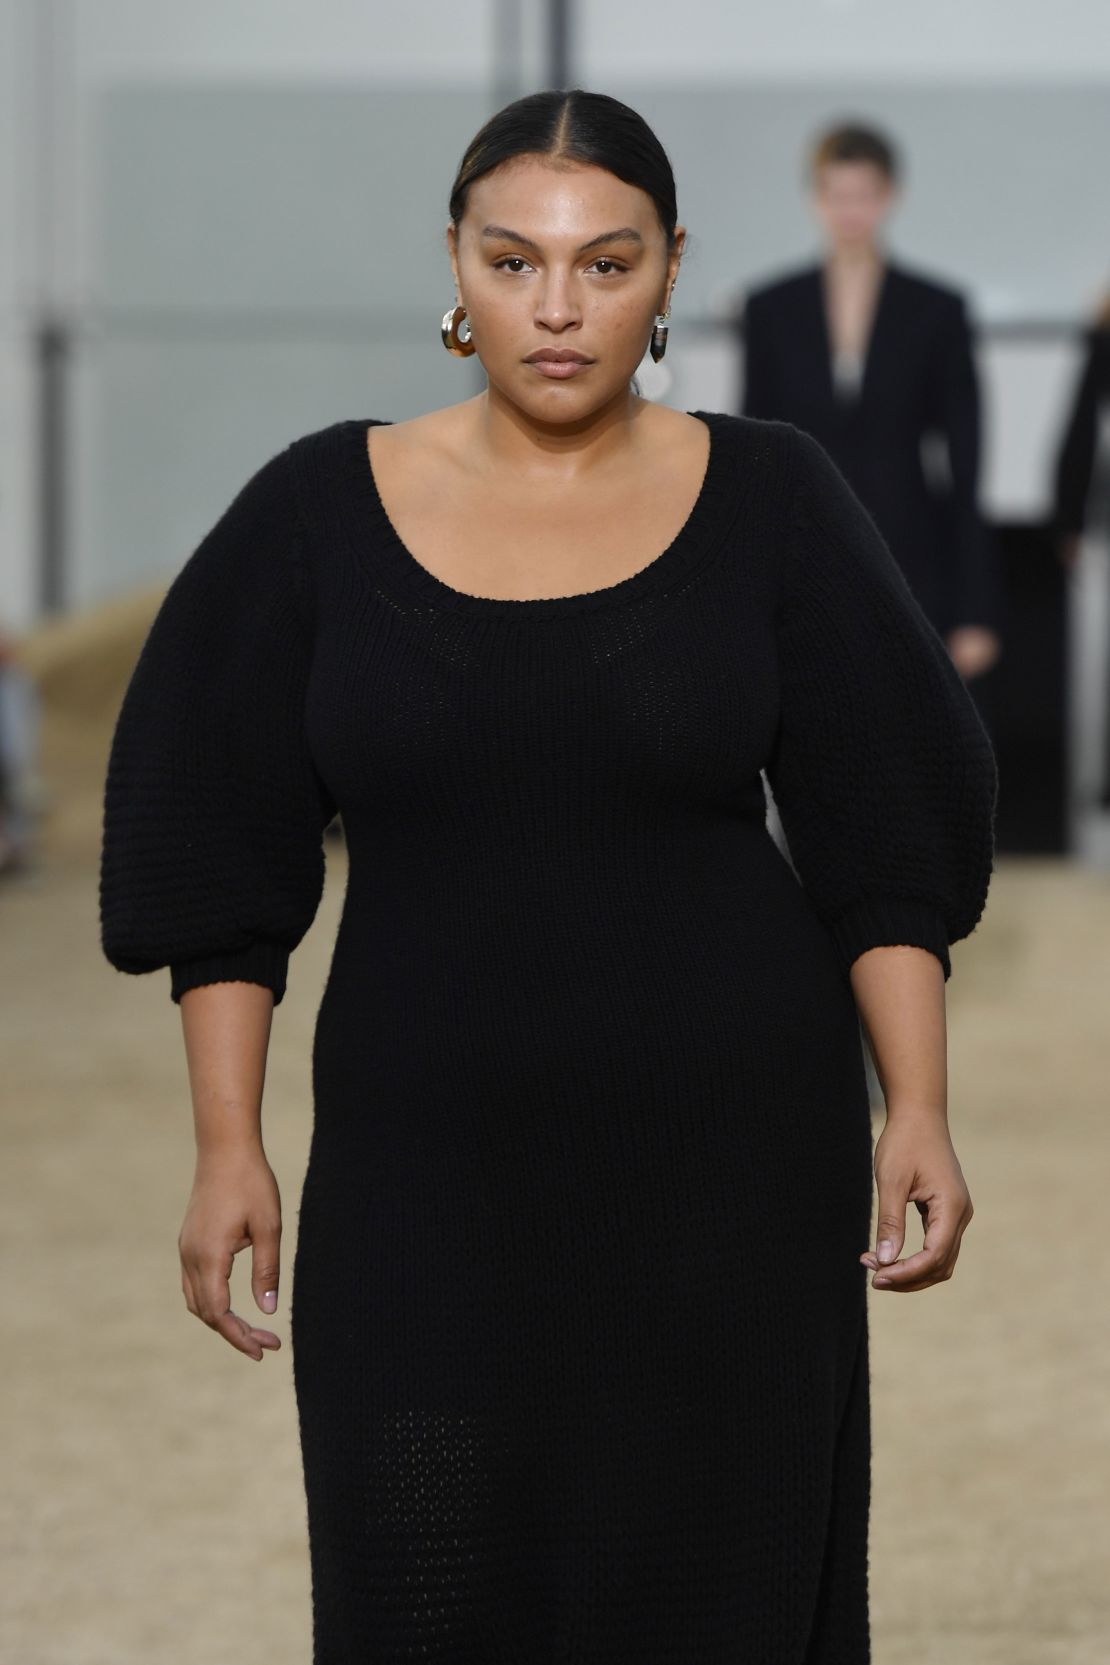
260	962
887	921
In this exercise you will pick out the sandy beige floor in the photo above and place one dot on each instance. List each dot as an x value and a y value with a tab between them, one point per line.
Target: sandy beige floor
152	1506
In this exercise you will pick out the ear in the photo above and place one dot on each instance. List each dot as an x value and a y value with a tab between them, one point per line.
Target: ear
674	261
453	252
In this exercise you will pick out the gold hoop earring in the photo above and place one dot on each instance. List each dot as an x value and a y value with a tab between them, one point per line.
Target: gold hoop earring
460	345
659	335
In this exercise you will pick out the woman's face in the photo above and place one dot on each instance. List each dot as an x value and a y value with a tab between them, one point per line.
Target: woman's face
851	200
560	258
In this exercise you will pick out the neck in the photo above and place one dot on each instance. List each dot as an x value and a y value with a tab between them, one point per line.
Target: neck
854	256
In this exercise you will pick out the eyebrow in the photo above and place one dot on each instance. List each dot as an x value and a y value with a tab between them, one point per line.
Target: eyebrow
623	234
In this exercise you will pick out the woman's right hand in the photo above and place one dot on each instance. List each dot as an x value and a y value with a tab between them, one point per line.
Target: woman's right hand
234	1203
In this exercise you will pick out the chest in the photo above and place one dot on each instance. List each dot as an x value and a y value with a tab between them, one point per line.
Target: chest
897	355
435	716
506	539
850	312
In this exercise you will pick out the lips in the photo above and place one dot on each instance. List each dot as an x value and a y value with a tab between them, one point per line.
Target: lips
558	364
555	355
559	370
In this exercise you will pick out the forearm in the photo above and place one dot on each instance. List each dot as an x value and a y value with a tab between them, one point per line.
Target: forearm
900	995
226	1028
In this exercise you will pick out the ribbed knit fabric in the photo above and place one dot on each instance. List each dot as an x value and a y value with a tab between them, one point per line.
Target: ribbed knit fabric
579	1326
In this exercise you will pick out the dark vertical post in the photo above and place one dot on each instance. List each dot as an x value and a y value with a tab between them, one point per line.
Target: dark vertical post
52	356
507	51
558	35
52	49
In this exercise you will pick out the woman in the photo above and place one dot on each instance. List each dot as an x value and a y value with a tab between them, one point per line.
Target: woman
572	1381
871	358
1081	463
1078	451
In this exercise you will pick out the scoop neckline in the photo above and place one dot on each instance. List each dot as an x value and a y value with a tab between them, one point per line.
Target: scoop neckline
693	543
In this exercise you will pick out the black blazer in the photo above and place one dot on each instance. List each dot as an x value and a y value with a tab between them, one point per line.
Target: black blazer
919	378
1075	459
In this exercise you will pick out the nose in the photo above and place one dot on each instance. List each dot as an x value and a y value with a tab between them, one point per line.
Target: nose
557	306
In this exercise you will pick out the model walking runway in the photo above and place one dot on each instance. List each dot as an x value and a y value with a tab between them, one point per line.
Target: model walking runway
574	1383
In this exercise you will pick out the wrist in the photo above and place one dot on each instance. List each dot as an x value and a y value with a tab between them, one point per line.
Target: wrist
929	1112
228	1150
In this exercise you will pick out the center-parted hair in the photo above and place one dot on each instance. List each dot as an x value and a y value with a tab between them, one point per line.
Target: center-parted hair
572	125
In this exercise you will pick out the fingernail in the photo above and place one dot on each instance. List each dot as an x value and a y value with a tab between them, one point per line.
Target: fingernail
886	1250
883	1283
269	1300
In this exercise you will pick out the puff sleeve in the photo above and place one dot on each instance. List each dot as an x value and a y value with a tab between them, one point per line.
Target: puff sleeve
212	858
881	770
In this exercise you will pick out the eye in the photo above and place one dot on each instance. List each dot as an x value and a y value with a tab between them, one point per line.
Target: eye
518	260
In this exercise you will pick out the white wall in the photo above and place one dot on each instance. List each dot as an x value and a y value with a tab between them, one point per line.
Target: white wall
425	41
726	40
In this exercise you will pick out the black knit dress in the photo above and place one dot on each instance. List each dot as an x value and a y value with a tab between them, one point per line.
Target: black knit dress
579	1325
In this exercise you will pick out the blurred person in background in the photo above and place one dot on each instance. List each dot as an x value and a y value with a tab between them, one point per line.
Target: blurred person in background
1084	449
19	725
1081	495
874	360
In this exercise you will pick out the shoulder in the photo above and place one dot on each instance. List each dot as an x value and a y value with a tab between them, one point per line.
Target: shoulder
1096	339
784	289
439	433
801	518
778	448
780	472
259	519
777	302
251	514
335	436
316	443
325	465
257	543
929	294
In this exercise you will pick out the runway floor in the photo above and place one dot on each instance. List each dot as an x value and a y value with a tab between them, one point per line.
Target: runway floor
152	1507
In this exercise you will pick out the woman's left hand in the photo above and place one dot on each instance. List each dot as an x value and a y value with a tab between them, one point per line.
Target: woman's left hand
973	649
915	1162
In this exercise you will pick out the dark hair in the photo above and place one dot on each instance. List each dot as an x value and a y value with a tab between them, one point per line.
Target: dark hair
575	126
854	142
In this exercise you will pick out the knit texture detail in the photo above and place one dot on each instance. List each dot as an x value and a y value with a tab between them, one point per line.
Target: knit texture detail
883	921
261	962
882	770
212	857
572	1386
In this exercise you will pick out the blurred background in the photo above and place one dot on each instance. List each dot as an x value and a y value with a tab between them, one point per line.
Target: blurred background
221	226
